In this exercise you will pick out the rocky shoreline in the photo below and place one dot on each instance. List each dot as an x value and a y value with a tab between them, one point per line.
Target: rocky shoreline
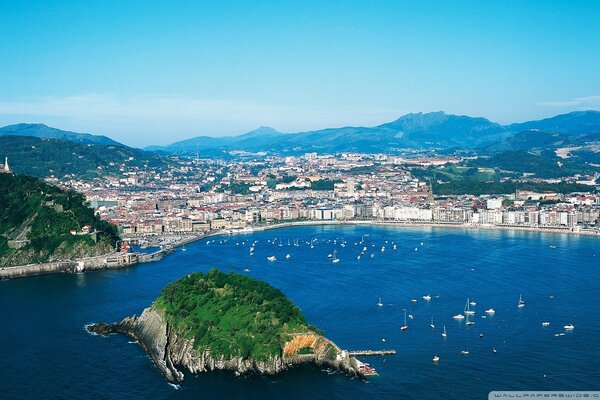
173	354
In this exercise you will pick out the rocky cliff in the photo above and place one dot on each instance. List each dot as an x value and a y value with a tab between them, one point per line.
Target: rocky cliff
173	353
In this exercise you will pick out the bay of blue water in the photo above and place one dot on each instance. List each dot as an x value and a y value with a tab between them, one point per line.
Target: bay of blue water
46	353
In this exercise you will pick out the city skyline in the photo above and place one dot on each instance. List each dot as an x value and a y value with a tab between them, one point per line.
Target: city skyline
166	74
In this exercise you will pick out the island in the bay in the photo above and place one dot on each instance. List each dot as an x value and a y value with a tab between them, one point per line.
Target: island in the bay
227	321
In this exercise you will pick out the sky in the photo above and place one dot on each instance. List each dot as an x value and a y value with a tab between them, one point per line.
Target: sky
154	72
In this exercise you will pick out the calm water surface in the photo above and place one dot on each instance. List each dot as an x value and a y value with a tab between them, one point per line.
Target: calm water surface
46	352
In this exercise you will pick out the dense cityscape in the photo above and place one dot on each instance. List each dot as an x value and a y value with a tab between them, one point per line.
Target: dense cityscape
194	196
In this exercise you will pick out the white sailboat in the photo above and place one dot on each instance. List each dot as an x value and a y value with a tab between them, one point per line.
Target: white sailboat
435	359
467	310
432	324
379	303
334	258
427	297
404	327
271	258
469	323
521	302
444	334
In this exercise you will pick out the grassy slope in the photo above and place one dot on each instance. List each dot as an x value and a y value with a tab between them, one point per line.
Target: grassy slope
24	198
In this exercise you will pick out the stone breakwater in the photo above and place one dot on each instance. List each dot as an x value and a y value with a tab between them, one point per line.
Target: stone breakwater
172	353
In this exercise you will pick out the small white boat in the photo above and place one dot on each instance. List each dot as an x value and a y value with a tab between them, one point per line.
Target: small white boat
410	316
491	311
334	259
427	297
467	311
358	257
382	249
287	256
435	359
545	324
272	258
464	352
405	326
246	269
494	350
521	302
416	249
458	316
329	255
432	325
444	334
413	300
472	303
379	303
569	327
372	255
394	248
559	334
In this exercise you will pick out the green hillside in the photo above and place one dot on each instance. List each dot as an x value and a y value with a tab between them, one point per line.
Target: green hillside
39	217
231	314
45	157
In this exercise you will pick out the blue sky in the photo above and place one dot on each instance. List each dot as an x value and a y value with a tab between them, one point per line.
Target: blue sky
153	72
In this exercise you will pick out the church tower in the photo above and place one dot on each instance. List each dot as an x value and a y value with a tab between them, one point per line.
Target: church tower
6	168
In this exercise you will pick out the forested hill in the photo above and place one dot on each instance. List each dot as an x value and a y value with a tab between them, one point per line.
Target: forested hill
36	220
232	315
46	157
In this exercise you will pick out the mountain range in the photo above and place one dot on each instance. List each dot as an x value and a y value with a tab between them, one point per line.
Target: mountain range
436	130
45	132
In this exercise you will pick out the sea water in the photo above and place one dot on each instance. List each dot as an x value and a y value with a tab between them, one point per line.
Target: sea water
47	353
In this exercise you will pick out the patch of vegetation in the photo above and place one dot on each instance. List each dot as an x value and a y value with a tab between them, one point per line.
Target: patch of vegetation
235	188
324	184
231	314
48	213
476	187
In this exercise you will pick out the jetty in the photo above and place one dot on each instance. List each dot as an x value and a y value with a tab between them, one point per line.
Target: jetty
367	353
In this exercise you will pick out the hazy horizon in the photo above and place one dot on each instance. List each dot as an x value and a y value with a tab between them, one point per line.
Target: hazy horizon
220	69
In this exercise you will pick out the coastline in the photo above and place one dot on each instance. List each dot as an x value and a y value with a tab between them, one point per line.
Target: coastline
72	265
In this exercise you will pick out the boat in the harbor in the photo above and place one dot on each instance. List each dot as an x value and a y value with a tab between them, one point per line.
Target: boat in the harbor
379	303
458	317
464	352
366	369
334	259
405	326
272	258
521	302
545	324
444	334
467	310
435	359
288	256
468	322
569	327
490	311
427	297
432	325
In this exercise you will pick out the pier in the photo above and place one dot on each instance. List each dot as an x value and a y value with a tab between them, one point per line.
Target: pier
367	353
